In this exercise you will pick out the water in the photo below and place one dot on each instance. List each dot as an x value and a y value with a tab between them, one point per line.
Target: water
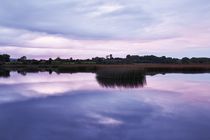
43	106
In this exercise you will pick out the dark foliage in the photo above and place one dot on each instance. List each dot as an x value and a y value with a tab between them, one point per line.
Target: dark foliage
4	73
4	58
130	59
121	78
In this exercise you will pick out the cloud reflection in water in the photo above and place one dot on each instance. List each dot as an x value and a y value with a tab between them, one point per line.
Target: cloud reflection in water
168	107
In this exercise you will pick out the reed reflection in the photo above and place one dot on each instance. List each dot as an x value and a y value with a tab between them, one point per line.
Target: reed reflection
121	78
4	73
112	77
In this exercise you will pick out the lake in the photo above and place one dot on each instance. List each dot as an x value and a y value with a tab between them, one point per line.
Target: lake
104	106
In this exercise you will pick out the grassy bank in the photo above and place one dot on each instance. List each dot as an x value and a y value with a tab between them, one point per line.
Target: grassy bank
106	74
137	66
97	67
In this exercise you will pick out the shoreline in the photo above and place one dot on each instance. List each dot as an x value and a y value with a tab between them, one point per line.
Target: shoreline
65	68
146	65
108	71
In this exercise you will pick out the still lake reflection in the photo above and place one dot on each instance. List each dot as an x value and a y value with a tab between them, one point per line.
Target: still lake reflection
43	106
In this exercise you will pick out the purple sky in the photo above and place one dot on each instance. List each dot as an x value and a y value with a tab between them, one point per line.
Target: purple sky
88	28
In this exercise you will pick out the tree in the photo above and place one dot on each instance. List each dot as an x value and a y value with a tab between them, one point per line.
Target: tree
128	56
58	59
110	56
4	58
185	60
50	61
23	58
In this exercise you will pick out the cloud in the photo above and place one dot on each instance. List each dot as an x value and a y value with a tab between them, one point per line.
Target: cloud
105	120
106	9
77	19
103	26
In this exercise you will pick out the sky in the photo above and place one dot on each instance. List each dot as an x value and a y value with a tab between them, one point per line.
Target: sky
89	28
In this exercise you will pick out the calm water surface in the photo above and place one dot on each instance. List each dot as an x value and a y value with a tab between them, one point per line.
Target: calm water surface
40	106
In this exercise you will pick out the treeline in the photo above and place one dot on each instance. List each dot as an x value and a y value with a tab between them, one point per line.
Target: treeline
109	59
4	58
166	60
